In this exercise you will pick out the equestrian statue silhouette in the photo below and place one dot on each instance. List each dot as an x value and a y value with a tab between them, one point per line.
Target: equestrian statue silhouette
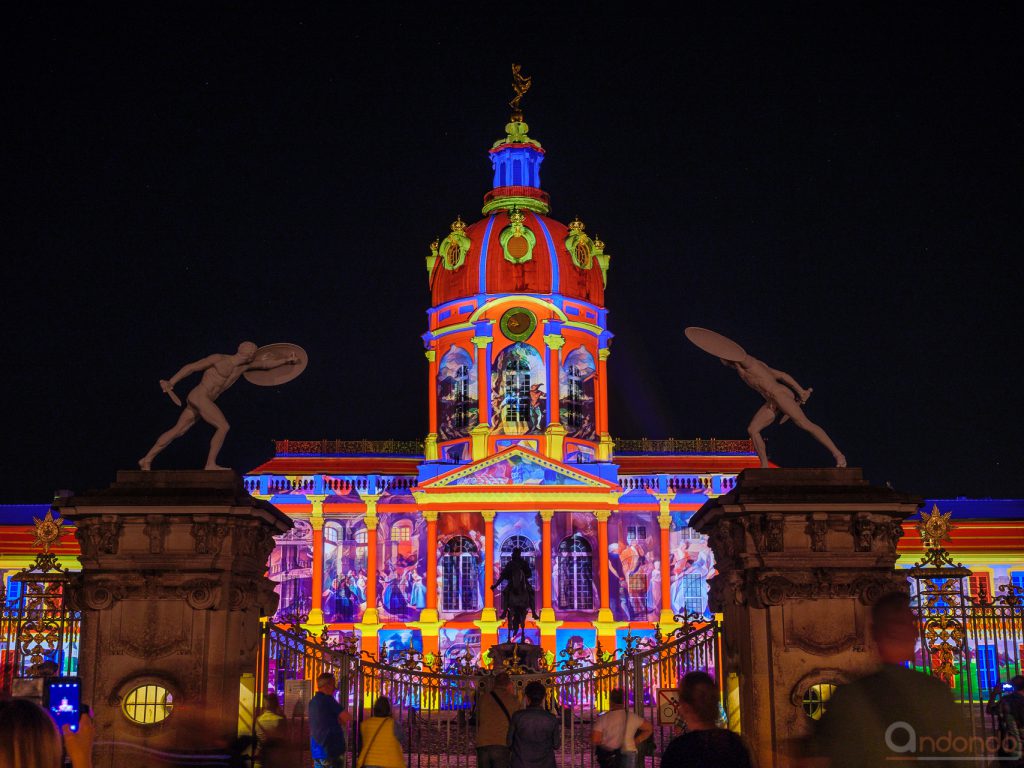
518	596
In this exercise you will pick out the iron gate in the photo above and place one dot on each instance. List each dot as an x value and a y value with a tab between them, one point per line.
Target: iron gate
435	707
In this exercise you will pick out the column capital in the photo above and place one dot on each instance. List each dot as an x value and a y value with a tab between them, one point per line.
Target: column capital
547	514
602	515
604	354
430	515
554	340
488	515
481	342
665	519
316	514
430	355
370	518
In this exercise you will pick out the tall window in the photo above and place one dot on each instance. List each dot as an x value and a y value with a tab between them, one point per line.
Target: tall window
575	574
462	398
981	587
574	396
460	575
988	673
694	587
516	406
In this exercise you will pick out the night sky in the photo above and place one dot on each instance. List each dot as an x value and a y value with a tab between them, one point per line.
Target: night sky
839	191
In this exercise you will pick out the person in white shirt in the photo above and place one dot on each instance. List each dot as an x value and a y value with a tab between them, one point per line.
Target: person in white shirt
617	732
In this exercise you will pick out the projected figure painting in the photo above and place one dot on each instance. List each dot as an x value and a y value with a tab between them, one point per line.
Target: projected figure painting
291	568
344	594
518	392
691	564
634	567
454	644
394	642
457	404
576	384
581	644
402	567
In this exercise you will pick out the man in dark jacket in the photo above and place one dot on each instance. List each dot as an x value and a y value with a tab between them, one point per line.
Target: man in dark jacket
534	734
895	717
327	722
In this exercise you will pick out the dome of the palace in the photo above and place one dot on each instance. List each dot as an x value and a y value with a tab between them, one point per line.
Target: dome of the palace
516	247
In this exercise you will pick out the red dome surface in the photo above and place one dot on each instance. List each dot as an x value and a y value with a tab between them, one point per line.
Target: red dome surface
551	269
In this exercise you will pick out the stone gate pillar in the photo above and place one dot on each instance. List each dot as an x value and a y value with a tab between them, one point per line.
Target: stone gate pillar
172	589
801	554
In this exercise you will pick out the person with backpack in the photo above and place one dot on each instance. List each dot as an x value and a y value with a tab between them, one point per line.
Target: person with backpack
494	710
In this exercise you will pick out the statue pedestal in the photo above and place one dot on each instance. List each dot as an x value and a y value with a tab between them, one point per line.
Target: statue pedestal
172	590
801	555
504	656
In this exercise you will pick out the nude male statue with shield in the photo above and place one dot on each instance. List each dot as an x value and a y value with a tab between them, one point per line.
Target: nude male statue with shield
781	392
219	373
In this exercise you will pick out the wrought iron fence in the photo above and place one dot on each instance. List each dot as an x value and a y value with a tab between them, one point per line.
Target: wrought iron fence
973	641
40	627
436	707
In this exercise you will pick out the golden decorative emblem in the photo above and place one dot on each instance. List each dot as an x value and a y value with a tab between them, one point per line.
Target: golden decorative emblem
48	531
934	528
455	247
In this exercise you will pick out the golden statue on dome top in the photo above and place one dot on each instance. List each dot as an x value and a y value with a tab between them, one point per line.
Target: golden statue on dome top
520	84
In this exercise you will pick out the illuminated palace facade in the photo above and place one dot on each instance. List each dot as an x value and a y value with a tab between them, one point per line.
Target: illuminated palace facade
402	543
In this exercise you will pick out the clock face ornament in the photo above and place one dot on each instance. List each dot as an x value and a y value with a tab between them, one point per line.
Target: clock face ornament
518	324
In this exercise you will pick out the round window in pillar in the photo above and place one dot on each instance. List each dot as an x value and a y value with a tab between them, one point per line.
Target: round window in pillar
147	704
815	699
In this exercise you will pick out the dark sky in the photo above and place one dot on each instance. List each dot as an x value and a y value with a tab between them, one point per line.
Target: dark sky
839	191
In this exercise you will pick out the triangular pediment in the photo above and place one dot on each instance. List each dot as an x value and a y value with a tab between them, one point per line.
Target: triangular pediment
517	466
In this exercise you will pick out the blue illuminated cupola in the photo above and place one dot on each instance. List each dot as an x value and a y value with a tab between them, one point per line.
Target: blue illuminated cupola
517	166
516	161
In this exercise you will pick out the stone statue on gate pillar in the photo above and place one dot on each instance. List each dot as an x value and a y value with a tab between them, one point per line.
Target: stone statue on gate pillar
781	392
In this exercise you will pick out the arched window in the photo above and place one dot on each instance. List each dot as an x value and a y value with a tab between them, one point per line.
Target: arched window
460	575
515	408
526	546
575	574
529	552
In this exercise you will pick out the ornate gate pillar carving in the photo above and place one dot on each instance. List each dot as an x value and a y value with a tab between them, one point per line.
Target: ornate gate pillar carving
172	590
801	554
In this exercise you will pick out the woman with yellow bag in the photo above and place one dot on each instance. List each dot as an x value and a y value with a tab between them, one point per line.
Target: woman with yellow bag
380	736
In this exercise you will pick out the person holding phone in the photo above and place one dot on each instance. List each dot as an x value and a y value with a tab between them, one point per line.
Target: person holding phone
35	742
